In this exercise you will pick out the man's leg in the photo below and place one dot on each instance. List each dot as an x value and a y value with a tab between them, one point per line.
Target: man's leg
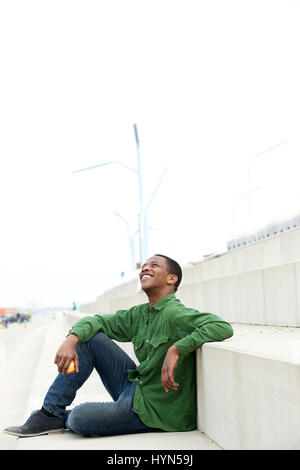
109	418
100	352
111	363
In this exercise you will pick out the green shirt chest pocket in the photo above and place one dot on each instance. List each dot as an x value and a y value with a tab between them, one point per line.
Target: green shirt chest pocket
145	348
157	341
158	348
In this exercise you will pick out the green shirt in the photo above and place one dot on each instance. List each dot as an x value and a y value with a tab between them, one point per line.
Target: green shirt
152	331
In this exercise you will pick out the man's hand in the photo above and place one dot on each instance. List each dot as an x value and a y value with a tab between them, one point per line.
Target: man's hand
66	353
168	368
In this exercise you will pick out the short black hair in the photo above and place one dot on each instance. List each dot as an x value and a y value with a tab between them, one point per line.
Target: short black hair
174	268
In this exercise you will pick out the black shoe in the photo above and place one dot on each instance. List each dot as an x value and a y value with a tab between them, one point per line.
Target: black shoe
36	425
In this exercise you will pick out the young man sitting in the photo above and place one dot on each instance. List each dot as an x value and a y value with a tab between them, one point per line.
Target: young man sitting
158	394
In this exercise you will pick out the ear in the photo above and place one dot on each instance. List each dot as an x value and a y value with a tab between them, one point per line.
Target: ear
172	279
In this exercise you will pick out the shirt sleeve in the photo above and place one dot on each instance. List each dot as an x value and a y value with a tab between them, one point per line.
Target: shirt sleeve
198	328
118	326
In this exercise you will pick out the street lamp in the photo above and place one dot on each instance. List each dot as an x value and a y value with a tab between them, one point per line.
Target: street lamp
143	211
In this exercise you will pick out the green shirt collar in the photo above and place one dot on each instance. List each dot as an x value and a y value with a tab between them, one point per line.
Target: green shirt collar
162	302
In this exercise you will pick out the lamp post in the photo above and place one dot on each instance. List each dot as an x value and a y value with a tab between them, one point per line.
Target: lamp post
143	211
142	228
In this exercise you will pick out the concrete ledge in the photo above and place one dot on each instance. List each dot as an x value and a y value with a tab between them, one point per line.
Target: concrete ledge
248	389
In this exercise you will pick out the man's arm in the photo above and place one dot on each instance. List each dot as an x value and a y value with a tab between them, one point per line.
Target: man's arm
168	369
117	326
205	328
202	328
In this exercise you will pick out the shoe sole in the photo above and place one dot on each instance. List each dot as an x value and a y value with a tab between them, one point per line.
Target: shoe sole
55	431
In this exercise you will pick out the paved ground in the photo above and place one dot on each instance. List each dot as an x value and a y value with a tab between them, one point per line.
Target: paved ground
26	371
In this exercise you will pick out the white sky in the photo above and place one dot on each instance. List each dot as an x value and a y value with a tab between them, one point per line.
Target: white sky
208	83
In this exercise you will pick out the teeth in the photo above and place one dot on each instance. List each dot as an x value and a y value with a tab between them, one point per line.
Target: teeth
146	276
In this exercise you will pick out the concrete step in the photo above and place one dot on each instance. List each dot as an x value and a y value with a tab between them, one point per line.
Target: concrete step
248	389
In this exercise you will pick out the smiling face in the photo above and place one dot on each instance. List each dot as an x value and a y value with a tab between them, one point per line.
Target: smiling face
155	275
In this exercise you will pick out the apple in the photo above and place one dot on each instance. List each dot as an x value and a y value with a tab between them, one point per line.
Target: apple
71	368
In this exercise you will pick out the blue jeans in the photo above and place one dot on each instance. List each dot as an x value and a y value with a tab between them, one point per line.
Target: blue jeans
98	419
